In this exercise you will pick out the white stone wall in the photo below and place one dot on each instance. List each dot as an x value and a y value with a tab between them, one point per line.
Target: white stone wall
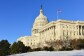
57	30
43	31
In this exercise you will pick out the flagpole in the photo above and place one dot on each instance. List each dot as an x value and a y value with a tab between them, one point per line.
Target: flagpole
58	11
57	15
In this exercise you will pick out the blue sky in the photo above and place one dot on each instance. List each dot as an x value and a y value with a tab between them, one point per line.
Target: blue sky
17	16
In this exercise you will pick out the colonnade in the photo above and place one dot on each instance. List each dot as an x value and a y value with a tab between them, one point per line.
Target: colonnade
48	33
81	30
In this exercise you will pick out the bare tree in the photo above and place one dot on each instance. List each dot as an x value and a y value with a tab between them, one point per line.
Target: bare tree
66	42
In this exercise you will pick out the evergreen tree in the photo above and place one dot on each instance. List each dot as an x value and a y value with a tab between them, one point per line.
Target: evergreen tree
17	47
28	49
4	47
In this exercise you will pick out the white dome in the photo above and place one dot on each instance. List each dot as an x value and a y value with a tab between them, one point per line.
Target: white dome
40	20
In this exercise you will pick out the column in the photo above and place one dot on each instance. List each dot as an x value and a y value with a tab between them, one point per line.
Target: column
81	30
78	31
54	31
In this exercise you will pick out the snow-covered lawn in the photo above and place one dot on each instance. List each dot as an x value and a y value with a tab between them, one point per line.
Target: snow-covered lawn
53	53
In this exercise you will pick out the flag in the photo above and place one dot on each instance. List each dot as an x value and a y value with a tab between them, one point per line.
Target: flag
58	10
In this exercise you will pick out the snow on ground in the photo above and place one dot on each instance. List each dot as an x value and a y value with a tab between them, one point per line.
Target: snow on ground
53	53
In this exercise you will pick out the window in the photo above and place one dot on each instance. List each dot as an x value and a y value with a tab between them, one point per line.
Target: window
66	26
77	33
31	43
70	33
74	32
63	32
67	32
62	26
77	27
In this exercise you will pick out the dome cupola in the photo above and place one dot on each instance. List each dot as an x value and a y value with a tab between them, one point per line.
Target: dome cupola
40	21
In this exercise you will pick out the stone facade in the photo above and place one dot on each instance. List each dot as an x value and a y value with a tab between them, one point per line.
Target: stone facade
44	31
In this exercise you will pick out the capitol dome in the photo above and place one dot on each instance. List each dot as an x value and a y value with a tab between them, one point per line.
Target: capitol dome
40	20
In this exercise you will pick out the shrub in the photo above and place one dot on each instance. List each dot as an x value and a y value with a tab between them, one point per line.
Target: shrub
37	49
51	49
48	48
45	48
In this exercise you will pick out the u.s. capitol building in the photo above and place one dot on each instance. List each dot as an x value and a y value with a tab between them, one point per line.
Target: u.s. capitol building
44	31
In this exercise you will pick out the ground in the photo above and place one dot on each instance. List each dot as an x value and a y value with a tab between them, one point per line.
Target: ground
53	53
